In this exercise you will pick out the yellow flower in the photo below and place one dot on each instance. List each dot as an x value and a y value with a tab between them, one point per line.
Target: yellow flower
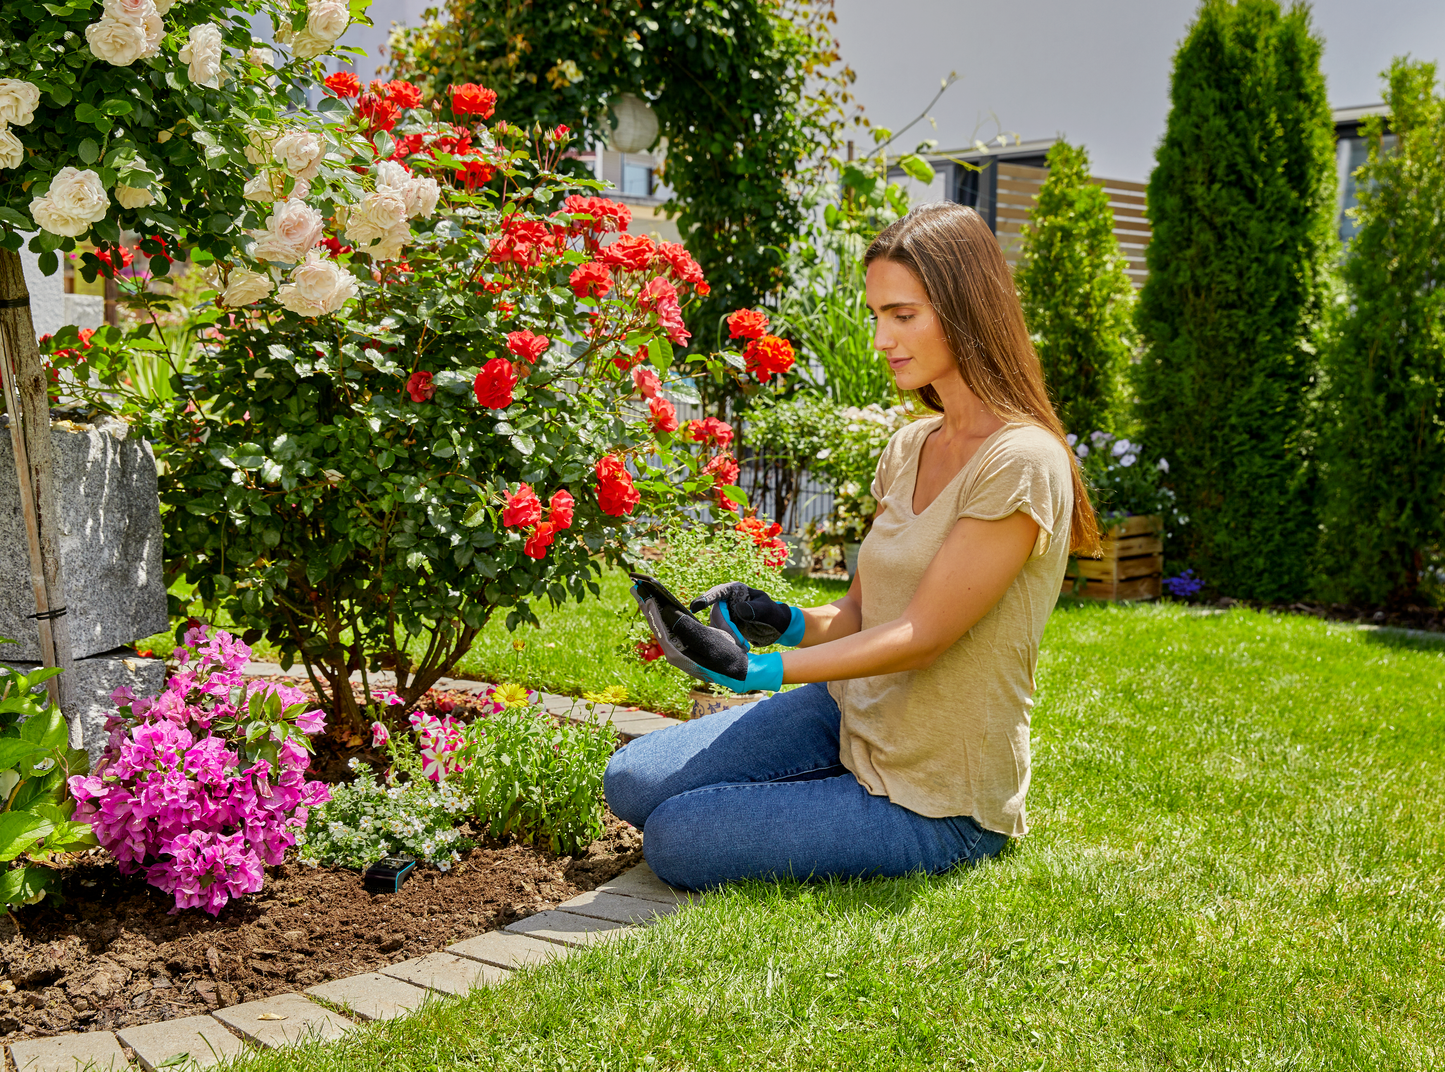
613	694
511	696
519	645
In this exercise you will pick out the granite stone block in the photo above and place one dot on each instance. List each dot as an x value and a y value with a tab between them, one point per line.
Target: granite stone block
95	1051
617	908
201	1038
568	928
641	881
508	950
93	680
283	1019
371	995
110	541
445	973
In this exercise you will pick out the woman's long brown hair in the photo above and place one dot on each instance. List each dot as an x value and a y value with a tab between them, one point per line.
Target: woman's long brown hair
952	252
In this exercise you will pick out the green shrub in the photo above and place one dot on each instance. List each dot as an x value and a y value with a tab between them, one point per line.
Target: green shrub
537	779
1242	204
35	803
1383	443
1077	299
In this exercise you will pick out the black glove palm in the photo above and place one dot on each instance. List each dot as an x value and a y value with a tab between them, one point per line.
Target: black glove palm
751	612
688	644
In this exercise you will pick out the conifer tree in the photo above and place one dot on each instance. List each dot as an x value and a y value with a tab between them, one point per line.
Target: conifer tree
1242	206
1383	436
1078	301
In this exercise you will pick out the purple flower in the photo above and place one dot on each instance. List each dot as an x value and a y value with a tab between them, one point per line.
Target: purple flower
1183	586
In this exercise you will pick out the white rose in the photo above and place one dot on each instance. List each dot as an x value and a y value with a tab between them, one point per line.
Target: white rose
307	46
133	197
12	153
377	214
292	228
390	247
318	287
134	12
299	152
258	146
75	201
420	195
421	198
117	43
390	173
202	54
163	6
327	19
18	101
246	287
261	57
263	189
284	35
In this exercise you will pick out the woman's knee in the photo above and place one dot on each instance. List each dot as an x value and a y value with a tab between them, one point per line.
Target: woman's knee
672	843
627	787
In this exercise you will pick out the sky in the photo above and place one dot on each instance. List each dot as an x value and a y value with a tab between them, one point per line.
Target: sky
1093	71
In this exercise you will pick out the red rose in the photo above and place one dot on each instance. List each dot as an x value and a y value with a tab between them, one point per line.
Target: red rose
646	381
630	253
724	472
420	387
344	84
527	346
523	508
664	415
684	269
625	363
472	99
605	215
540	539
710	429
377	112
591	280
476	172
747	324
404	94
560	508
494	383
615	493
768	356
649	650
560	132
660	297
334	247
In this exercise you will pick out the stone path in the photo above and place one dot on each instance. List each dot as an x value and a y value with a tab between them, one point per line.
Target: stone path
629	721
611	912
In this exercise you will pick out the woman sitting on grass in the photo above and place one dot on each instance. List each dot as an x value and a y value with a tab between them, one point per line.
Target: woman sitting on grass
910	749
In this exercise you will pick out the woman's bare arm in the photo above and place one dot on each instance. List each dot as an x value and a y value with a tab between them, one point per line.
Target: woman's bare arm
969	574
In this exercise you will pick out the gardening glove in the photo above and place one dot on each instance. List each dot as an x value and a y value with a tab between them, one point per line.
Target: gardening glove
708	654
752	615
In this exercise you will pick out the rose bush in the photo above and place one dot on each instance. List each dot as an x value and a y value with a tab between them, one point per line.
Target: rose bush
355	465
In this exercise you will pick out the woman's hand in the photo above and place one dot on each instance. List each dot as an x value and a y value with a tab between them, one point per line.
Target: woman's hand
706	653
751	615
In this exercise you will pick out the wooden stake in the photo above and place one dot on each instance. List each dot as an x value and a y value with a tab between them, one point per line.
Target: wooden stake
27	401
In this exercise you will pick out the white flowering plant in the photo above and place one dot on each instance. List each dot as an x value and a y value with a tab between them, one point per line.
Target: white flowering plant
1124	478
134	116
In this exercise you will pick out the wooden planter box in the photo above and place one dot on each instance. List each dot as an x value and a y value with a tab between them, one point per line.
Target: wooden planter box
1132	566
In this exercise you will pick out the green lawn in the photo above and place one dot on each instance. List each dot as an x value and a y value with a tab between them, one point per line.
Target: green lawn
1237	862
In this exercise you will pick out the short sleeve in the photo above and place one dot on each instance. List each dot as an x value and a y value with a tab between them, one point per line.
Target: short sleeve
1025	469
887	467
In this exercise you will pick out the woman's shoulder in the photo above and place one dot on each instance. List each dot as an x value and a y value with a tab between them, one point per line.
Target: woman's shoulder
1022	441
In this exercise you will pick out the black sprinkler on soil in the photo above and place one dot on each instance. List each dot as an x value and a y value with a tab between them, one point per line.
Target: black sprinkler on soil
388	873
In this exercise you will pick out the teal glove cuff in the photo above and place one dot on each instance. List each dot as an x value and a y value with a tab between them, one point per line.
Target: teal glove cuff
793	635
765	673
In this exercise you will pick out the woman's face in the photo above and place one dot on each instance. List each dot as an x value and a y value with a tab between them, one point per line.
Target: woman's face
907	331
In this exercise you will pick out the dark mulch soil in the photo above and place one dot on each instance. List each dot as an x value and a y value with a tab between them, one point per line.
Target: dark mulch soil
110	957
107	954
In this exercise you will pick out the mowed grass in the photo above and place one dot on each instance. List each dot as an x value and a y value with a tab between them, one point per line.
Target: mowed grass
1237	862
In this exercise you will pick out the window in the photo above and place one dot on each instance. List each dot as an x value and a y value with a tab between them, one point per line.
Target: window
966	188
636	179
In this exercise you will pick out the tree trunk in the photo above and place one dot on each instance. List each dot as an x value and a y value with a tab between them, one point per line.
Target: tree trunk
26	391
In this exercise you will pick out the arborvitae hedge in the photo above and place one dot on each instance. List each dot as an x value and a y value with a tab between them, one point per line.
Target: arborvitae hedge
1383	444
1242	204
1077	299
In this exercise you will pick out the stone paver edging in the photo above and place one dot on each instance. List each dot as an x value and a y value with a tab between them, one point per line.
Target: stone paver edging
613	911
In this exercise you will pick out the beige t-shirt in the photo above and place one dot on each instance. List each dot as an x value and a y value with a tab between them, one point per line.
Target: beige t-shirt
953	739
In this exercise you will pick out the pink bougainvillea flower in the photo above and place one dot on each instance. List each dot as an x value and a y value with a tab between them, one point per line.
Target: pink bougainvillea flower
523	508
494	384
420	386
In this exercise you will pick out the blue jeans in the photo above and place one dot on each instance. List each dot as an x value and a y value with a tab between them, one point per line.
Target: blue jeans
757	792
